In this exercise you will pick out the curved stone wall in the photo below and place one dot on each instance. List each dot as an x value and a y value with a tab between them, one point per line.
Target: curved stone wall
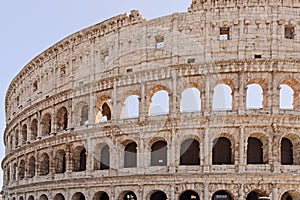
195	105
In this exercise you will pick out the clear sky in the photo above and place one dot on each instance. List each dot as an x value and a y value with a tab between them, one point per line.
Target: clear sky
28	27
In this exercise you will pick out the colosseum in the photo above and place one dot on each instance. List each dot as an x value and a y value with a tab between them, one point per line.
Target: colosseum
196	105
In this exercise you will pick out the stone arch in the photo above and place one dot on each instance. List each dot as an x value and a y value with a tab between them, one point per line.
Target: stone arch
159	101
104	109
102	157
79	159
130	107
254	96
62	118
257	149
223	98
158	195
46	124
190	152
21	171
24	133
295	140
60	161
290	195
21	198
78	196
44	164
130	154
189	195
34	129
43	197
59	196
128	195
31	167
30	197
222	195
264	86
159	153
295	86
101	196
82	116
191	99
222	152
256	194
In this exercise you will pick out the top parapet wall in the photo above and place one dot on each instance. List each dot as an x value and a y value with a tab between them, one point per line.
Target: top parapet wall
208	4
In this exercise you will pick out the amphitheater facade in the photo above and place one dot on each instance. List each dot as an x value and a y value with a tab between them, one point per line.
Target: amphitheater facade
189	106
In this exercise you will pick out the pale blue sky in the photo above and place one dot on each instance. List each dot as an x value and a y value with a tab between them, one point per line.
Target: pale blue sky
30	27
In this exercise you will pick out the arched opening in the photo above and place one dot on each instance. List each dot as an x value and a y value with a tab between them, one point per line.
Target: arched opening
31	167
79	159
106	113
131	107
84	115
286	97
34	129
59	197
286	152
60	162
104	109
62	118
189	195
21	198
101	196
256	195
78	196
24	133
130	196
222	151
254	96
190	100
14	172
21	173
159	103
17	138
159	151
30	198
190	152
46	124
254	151
221	195
105	158
130	155
222	97
44	164
43	197
159	195
290	195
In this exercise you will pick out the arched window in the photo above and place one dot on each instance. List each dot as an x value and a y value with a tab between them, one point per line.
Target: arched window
34	129
286	97
44	164
79	159
290	195
106	113
21	173
190	100
31	198
254	151
24	133
159	195
221	195
159	103
104	109
31	167
60	162
101	196
190	152
159	153
130	155
78	196
59	197
130	196
286	152
46	124
222	98
62	118
84	115
43	197
21	198
105	158
189	195
254	96
222	151
131	107
255	195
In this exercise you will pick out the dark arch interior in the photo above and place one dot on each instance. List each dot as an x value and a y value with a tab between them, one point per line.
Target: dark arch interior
159	195
286	152
106	111
59	197
189	152
130	157
105	158
159	153
221	195
78	196
130	196
255	195
254	151
82	162
222	151
189	195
